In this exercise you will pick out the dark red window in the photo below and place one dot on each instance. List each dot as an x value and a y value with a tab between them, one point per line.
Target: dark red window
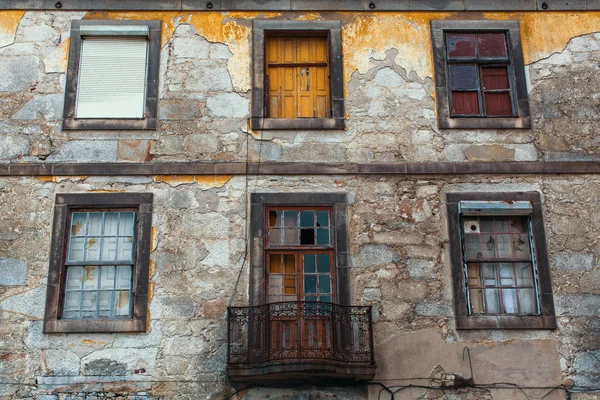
480	75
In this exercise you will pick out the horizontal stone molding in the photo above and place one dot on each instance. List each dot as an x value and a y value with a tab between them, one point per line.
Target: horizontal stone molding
303	5
300	168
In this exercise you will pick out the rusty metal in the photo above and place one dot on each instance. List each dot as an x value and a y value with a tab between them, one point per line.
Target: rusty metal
299	331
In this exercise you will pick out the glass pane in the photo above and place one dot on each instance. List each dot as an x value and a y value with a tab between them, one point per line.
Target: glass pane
498	104
274	218
126	224
464	77
322	236
92	251
503	225
476	301
310	298
307	218
122	303
504	246
310	284
472	246
324	284
322	218
104	302
461	45
289	264
88	304
123	280
521	246
291	236
489	274
465	103
76	249
471	225
125	249
325	299
524	277
492	301
74	278
95	224
495	78
90	278
310	264
72	300
275	284
107	277
527	301
275	236
486	224
307	237
473	276
70	314
78	223
111	224
324	263
506	274
518	225
492	45
109	249
488	246
290	218
274	298
275	266
509	296
289	285
289	298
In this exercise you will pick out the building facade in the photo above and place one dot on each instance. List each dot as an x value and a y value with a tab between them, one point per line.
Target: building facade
299	200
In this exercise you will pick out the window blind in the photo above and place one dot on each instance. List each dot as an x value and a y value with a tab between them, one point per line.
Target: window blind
112	78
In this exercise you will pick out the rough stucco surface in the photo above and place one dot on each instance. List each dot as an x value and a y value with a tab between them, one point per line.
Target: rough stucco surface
397	225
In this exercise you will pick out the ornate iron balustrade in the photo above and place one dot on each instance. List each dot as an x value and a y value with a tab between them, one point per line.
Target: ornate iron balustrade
299	331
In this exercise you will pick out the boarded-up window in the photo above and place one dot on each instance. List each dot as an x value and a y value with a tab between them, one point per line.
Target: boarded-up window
297	77
112	78
480	75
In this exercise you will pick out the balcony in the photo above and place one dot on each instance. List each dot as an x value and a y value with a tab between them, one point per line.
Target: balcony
311	342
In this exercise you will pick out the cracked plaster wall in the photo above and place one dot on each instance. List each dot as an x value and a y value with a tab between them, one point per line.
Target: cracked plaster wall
205	85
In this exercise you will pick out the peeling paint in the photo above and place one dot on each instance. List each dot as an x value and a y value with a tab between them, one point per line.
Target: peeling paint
9	22
56	60
153	240
58	178
205	181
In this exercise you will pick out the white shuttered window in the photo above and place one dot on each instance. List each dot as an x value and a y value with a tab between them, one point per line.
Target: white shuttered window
112	77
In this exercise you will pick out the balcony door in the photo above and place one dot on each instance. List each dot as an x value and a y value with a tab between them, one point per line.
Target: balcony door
300	280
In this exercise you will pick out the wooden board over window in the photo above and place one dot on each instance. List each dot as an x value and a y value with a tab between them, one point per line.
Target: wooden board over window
297	78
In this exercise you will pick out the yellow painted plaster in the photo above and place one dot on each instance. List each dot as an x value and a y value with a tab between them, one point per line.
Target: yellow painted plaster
57	179
205	181
9	22
56	60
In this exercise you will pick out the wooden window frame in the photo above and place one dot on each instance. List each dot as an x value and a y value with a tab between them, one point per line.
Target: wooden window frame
65	204
333	30
71	122
511	30
339	240
546	318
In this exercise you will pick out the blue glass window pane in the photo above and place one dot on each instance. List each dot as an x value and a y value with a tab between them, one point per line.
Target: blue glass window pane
463	77
310	284
324	284
324	263
322	218
307	218
323	236
290	219
309	263
310	298
325	299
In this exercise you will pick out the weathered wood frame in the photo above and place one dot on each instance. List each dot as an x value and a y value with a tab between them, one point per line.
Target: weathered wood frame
64	204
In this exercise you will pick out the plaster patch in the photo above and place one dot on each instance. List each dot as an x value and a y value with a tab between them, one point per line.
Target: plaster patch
9	22
56	60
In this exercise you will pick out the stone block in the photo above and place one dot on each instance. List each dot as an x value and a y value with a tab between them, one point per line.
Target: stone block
12	272
433	309
184	346
133	150
388	78
30	303
18	74
47	107
228	105
115	361
13	146
87	151
208	77
214	309
40	33
190	47
574	261
585	305
61	362
183	199
421	269
218	51
179	109
372	255
492	152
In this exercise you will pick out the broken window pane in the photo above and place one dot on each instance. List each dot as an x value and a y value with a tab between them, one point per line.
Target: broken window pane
322	218
307	236
461	45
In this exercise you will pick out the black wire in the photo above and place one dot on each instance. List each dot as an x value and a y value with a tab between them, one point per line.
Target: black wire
236	392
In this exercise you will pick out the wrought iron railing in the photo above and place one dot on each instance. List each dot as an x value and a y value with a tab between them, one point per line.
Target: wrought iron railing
299	331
